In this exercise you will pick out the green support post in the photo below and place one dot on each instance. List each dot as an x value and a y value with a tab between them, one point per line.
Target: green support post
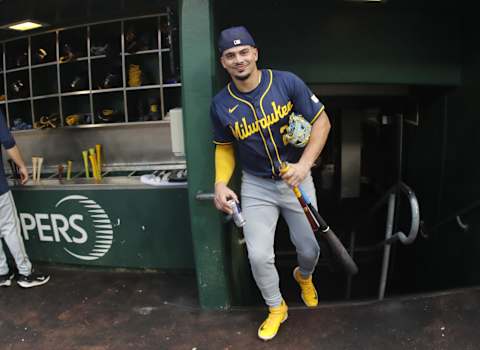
197	64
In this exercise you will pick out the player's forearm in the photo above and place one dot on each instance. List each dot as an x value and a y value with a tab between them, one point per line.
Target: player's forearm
224	163
16	156
318	138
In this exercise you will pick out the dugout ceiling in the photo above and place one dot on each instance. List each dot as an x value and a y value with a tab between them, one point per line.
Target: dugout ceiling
60	13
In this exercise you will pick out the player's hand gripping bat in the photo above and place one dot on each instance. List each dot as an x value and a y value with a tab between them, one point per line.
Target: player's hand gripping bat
317	223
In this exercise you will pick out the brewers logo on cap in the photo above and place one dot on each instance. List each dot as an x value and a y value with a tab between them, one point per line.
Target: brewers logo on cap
234	36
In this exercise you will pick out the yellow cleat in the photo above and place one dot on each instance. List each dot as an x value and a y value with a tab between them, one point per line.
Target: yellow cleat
276	317
309	294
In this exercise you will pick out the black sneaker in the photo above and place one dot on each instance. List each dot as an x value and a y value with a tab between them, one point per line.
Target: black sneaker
6	280
32	280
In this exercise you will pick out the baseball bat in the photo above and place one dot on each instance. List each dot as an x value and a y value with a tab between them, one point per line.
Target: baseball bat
336	247
93	160
34	169
98	151
94	163
85	163
311	220
39	170
69	169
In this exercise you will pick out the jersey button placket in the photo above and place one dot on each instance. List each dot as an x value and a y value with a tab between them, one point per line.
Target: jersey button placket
271	149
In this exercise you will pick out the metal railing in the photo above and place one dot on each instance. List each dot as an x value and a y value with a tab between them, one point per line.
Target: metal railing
390	197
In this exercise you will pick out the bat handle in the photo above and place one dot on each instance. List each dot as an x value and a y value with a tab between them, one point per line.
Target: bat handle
98	151
85	163
34	169
39	170
323	225
69	169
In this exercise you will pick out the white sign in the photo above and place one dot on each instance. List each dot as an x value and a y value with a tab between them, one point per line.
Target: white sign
55	227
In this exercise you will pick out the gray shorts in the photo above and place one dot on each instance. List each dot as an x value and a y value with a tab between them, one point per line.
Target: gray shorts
262	201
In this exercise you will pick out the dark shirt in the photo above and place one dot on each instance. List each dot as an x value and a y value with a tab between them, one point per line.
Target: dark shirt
257	120
7	142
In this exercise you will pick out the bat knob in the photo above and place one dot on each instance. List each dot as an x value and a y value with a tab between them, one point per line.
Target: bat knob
283	168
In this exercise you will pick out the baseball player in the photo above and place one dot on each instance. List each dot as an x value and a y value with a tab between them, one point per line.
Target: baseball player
9	225
252	112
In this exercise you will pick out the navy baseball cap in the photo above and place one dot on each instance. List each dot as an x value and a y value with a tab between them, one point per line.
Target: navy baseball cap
234	36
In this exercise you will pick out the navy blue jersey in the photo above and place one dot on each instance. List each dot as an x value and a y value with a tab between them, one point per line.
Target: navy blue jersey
7	141
257	121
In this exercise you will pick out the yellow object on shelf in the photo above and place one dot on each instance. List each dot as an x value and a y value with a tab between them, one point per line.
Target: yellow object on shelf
134	75
98	150
69	169
85	163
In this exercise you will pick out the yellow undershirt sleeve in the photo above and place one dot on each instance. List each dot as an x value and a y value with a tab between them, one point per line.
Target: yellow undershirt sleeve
224	163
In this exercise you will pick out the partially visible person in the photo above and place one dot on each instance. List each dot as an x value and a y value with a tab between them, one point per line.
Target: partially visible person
10	229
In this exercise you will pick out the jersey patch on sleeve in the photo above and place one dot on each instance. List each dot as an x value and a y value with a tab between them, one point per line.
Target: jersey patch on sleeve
315	99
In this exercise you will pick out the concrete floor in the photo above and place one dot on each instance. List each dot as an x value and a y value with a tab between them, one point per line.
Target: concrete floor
98	310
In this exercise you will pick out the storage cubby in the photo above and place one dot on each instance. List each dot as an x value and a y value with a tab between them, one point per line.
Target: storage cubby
76	110
2	77
74	76
170	50
43	49
141	35
142	69
2	89
44	80
108	108
88	75
16	53
73	45
172	98
2	68
18	86
46	113
106	40
107	73
144	105
20	115
170	68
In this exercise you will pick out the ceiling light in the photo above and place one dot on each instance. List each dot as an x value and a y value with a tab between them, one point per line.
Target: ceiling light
24	25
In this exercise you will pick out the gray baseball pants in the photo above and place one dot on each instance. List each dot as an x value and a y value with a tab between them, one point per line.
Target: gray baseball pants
10	232
262	201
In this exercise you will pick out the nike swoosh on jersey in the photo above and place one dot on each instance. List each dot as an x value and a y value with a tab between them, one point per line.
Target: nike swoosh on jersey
231	110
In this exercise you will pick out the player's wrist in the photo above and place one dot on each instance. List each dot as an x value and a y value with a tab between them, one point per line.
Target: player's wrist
220	184
306	164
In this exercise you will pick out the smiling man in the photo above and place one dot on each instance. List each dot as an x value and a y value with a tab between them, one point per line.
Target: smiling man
253	111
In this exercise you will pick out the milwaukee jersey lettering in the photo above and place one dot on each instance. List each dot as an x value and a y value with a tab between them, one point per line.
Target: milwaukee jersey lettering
257	121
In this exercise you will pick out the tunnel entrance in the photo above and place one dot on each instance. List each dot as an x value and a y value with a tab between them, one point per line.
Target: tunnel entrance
364	157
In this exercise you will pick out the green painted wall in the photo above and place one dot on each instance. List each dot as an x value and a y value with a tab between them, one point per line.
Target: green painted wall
141	228
338	42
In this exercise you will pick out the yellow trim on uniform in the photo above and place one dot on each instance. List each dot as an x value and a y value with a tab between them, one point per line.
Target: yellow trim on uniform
256	118
317	115
265	116
222	143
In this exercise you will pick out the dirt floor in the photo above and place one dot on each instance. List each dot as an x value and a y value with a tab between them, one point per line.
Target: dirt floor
98	310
